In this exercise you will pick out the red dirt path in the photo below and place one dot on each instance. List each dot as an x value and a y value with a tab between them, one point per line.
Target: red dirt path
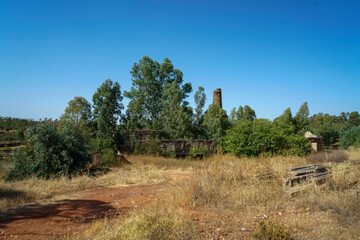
73	216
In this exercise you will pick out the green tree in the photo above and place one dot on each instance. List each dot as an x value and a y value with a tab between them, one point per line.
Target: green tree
176	114
233	114
157	98
200	99
350	137
249	113
301	118
107	109
240	113
145	94
78	110
286	117
215	122
354	119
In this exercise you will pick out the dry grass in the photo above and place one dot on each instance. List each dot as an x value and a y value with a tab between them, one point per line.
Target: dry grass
230	196
328	156
235	186
143	170
160	220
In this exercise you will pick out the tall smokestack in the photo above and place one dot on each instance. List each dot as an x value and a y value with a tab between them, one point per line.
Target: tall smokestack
217	97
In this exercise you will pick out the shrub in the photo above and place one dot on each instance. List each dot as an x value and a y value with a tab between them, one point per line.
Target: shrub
102	145
108	157
270	230
50	152
198	151
261	136
169	153
350	137
147	148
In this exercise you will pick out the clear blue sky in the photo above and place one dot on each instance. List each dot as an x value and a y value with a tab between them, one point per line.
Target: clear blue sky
269	55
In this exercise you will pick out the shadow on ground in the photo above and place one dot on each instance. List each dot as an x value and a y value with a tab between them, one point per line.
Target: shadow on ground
79	211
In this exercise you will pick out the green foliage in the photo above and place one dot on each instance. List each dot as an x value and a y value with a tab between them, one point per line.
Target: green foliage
20	134
198	151
176	114
107	108
354	119
8	123
169	153
102	144
270	230
351	137
262	137
78	110
108	157
200	99
328	132
301	118
50	152
286	117
147	148
157	99
215	122
243	113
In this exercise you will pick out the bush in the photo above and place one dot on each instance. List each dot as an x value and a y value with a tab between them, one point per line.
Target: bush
262	137
50	152
351	137
169	153
108	157
198	151
147	148
270	230
102	145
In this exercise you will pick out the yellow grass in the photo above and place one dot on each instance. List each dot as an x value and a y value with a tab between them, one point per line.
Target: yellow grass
223	191
226	185
143	170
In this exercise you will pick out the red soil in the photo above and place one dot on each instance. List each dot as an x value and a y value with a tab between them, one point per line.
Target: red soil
69	217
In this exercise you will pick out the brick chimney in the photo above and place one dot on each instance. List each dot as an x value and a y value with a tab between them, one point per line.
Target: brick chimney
217	97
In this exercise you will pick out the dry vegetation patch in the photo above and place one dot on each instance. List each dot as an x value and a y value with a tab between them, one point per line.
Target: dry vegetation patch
143	170
232	198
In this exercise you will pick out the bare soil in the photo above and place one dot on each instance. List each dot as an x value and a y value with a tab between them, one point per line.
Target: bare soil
68	217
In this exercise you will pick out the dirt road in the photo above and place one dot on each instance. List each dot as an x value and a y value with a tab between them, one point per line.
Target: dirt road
71	216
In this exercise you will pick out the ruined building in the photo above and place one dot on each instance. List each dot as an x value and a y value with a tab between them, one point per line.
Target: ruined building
316	142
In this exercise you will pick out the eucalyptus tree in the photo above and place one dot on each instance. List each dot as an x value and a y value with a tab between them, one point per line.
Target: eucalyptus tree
78	110
107	108
157	98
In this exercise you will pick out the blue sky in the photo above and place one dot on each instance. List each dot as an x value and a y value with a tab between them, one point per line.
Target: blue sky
269	55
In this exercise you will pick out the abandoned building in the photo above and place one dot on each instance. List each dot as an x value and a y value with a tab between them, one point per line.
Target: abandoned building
316	142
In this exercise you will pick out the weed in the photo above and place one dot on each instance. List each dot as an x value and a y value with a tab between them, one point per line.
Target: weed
270	230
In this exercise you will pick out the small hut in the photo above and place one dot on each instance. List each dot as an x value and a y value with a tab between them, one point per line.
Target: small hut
316	142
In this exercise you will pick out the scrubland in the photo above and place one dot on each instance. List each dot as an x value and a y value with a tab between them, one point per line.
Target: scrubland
223	197
143	170
226	199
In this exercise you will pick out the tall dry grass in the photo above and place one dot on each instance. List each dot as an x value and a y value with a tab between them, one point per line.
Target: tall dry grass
238	186
160	220
143	170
